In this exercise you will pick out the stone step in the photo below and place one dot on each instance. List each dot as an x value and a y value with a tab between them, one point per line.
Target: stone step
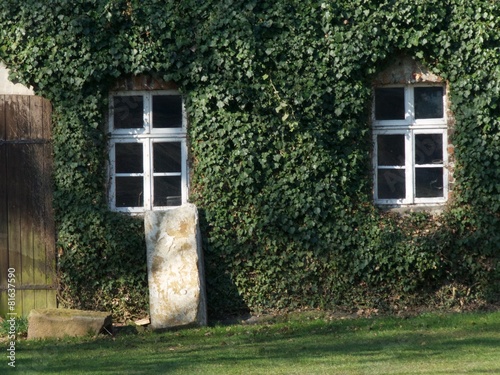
54	323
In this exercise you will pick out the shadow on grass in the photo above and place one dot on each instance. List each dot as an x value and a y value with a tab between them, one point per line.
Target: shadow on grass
366	343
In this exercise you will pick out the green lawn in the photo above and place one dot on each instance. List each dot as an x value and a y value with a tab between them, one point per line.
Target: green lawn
302	344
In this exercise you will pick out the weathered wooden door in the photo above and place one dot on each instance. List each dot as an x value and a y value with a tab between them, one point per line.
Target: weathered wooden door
27	234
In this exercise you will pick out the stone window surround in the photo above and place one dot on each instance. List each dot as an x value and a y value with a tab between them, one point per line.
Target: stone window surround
144	83
405	70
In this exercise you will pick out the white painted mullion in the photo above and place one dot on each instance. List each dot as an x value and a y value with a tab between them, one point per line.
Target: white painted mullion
409	105
148	113
184	172
148	185
375	166
112	176
410	143
409	165
148	152
445	164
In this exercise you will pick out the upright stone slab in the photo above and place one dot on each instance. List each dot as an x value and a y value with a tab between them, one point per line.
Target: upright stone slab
175	268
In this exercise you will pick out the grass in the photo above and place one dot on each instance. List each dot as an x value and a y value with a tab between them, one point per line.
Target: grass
300	344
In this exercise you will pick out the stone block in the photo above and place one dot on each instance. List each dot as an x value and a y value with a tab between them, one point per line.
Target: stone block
404	70
143	82
50	323
9	88
175	268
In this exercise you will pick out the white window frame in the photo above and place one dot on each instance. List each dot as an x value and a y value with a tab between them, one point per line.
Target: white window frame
410	127
147	136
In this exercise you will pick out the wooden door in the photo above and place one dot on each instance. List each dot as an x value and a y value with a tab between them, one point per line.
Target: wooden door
27	233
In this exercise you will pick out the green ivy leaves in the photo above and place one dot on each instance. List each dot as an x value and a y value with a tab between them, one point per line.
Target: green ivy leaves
278	95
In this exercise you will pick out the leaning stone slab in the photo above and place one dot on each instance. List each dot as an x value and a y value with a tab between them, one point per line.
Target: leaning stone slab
52	323
175	268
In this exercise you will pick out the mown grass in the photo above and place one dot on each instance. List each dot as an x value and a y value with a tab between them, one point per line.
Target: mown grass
303	344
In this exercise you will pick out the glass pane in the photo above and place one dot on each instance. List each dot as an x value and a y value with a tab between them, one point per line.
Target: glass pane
167	191
128	158
129	192
390	103
428	102
128	112
428	149
391	149
167	111
429	182
167	157
391	184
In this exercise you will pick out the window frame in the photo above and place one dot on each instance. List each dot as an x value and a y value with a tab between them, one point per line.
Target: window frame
147	136
410	127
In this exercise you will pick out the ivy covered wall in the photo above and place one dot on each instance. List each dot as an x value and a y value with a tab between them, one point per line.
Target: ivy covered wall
278	95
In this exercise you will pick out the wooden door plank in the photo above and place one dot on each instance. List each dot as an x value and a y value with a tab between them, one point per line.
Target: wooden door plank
47	119
23	118
49	228
19	309
4	248
28	301
10	108
51	299
45	256
40	299
41	192
36	117
4	232
4	307
28	175
2	118
16	117
14	213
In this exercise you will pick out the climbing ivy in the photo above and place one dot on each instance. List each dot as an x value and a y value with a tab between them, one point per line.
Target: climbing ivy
278	95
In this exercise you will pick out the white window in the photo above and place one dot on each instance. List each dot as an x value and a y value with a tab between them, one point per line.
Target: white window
410	145
148	155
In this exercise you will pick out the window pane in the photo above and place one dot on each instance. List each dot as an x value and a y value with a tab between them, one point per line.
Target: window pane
391	150
391	184
167	191
390	103
128	157
428	102
428	149
129	192
429	182
128	112
167	111
167	157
